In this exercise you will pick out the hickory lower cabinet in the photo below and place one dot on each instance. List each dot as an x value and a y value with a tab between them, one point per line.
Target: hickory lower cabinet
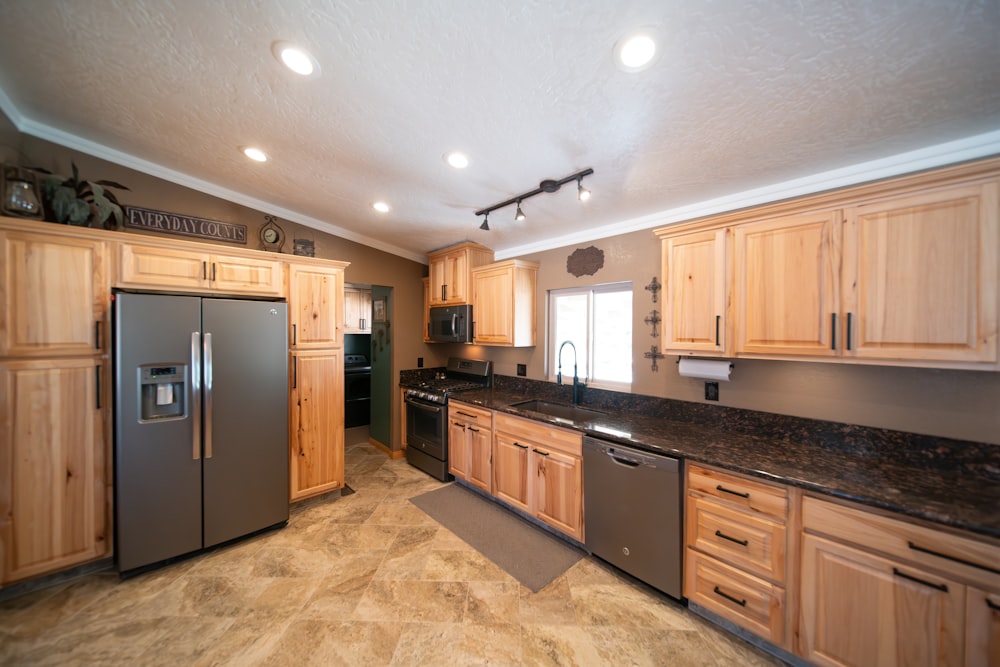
539	470
880	591
470	444
736	560
316	424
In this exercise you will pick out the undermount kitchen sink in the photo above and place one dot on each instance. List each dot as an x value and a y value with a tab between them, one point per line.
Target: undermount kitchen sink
573	413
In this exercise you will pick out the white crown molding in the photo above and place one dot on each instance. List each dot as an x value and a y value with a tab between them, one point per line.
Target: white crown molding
48	133
939	155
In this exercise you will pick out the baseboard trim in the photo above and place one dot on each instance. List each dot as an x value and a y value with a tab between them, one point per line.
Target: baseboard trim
389	451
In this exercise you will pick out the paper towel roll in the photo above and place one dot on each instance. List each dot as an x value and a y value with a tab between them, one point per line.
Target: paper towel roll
708	369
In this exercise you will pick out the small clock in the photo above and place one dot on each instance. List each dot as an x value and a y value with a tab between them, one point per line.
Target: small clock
272	237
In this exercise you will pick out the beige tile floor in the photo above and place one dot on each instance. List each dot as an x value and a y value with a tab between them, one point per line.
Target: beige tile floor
366	579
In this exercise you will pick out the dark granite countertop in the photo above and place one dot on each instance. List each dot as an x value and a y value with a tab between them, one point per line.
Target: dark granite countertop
950	482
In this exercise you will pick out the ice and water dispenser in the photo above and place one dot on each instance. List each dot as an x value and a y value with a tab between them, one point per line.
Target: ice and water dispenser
162	390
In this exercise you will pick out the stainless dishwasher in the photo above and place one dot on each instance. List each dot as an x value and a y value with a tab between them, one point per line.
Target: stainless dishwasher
632	512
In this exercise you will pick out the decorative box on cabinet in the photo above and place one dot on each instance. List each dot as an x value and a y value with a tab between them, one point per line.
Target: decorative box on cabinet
470	444
503	303
736	557
450	272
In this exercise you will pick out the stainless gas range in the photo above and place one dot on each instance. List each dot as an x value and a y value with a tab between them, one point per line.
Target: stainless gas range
426	413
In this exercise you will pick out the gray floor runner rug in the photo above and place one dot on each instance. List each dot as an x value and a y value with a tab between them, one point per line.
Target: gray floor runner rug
526	552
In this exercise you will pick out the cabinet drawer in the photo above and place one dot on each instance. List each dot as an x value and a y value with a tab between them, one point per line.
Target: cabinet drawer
470	413
569	442
749	602
739	491
955	555
748	541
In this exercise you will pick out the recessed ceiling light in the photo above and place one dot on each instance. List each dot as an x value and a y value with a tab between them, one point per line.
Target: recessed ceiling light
636	51
457	160
381	207
295	58
255	154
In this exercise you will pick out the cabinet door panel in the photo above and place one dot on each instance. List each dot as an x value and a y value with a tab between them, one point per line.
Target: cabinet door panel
240	275
982	632
694	270
153	266
787	285
480	457
493	300
510	471
559	490
920	276
317	423
861	609
53	446
315	307
458	449
54	293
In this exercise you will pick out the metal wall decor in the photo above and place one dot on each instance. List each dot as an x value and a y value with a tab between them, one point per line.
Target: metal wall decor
272	237
654	286
654	319
654	354
585	261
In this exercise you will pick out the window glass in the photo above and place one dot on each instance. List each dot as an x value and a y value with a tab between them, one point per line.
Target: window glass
598	322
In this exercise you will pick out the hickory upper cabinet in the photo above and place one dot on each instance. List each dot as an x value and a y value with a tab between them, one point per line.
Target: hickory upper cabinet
54	295
450	268
357	310
920	276
315	305
503	303
183	266
787	285
695	290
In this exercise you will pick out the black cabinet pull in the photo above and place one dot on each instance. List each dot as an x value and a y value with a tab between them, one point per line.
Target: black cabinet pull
97	384
213	272
474	429
721	593
992	605
295	372
466	414
916	547
719	487
444	292
833	331
847	338
899	573
97	335
517	444
742	543
540	452
717	318
204	270
295	333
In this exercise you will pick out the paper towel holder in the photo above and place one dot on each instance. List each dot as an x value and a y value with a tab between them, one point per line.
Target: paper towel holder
721	371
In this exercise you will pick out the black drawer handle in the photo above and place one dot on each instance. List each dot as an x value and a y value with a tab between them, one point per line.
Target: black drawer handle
473	429
466	414
720	593
719	487
540	452
916	547
899	573
517	444
992	605
742	543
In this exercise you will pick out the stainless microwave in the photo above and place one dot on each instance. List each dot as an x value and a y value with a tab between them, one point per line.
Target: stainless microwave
450	324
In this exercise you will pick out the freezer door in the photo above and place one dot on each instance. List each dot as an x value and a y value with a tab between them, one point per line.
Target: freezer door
246	417
157	468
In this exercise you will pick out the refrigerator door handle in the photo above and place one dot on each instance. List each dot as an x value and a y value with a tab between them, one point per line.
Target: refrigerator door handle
208	396
195	395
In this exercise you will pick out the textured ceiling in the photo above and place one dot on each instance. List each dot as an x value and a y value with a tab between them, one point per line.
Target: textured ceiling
745	95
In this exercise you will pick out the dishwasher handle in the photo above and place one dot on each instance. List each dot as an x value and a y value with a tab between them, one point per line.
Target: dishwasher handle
630	457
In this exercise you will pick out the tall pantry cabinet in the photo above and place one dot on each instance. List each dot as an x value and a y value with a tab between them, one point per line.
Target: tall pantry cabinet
55	453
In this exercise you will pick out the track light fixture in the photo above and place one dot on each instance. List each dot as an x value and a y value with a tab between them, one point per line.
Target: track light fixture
547	185
519	216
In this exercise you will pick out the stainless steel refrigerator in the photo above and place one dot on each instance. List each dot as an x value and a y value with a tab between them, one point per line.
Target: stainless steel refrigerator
201	423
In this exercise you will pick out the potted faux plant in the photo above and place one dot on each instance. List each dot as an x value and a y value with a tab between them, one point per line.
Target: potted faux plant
71	201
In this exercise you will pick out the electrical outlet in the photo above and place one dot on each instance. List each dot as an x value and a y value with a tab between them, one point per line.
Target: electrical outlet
522	370
420	362
711	391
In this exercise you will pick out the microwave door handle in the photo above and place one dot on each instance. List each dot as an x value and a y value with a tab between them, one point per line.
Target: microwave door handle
454	325
425	408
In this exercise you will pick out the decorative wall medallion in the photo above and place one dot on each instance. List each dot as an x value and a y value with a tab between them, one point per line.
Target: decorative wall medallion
585	261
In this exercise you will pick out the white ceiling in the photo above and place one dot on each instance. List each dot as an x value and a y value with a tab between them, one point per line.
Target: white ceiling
749	100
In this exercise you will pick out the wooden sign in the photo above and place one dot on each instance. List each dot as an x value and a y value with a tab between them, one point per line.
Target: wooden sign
185	225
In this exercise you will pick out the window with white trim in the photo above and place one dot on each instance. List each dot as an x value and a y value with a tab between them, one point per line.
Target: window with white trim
597	320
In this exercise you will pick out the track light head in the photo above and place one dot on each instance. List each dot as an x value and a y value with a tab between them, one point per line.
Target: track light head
486	223
582	193
519	215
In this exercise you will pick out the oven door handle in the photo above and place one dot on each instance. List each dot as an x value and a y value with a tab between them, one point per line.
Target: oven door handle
426	408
